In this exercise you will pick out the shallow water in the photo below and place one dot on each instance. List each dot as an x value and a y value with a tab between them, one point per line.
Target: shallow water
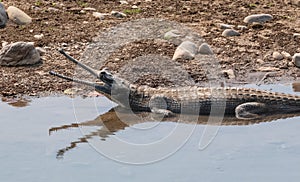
268	151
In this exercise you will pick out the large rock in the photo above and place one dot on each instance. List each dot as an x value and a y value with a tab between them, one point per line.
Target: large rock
18	16
186	50
3	16
19	54
258	18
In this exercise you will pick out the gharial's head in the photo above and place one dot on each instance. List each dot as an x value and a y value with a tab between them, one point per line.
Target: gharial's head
112	85
115	83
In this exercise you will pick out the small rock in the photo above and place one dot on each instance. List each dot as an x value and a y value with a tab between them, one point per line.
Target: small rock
242	27
39	36
3	16
226	26
172	34
101	16
286	55
4	43
205	49
89	9
53	9
118	14
277	56
260	61
134	7
18	16
123	2
186	50
19	54
296	59
296	35
259	18
230	33
229	73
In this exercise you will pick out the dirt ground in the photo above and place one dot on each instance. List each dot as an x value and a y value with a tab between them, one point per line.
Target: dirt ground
65	25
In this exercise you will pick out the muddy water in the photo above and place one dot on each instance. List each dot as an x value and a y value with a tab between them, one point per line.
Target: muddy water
267	151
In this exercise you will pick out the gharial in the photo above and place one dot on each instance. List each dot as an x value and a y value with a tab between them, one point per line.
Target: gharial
244	103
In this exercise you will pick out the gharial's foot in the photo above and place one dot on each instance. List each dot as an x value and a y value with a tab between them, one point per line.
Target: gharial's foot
251	110
164	112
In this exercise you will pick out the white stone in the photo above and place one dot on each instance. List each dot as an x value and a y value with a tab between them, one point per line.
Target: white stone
205	49
186	50
19	54
38	36
296	59
18	16
89	9
242	27
3	16
276	55
101	16
286	54
134	7
296	34
258	18
230	33
226	26
4	43
118	14
123	2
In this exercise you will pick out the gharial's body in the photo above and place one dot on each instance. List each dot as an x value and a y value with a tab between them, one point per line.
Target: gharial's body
245	103
194	100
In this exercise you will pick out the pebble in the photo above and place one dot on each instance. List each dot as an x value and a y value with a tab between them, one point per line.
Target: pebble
259	18
186	50
226	26
296	35
89	9
18	16
134	7
19	54
101	16
205	49
277	56
123	2
242	27
3	16
286	54
230	33
118	14
296	59
39	37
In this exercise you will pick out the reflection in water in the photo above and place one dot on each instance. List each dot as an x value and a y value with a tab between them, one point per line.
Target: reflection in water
110	123
16	102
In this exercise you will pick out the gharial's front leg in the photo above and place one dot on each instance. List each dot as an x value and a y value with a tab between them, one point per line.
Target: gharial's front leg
158	104
251	110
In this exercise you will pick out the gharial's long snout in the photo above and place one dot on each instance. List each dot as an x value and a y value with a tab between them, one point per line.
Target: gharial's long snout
102	75
87	68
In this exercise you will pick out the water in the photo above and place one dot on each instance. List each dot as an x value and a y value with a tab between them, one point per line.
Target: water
268	151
